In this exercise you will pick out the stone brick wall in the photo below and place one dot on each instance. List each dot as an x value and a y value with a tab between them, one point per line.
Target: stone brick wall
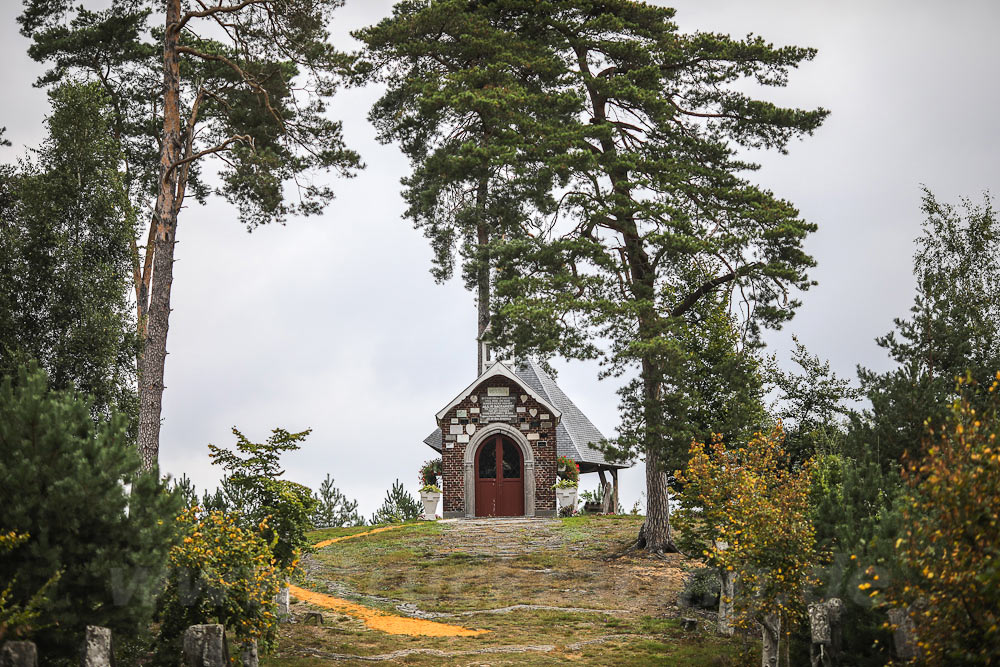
529	421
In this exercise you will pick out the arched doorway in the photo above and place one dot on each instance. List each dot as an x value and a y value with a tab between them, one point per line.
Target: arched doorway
499	470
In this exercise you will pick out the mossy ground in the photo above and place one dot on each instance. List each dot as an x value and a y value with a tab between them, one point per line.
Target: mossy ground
455	569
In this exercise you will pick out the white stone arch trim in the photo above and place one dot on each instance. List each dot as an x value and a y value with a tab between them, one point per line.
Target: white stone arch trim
483	433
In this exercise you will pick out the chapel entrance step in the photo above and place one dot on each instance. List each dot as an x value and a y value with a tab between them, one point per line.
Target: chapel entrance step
503	537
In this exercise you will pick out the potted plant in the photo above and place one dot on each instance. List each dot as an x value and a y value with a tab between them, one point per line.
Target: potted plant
567	485
429	496
566	490
430	492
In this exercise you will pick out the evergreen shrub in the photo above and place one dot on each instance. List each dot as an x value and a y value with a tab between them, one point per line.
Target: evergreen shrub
76	487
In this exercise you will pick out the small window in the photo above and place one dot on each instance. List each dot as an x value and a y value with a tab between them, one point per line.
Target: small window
511	461
488	462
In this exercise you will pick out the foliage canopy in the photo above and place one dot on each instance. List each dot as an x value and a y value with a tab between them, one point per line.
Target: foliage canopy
65	260
281	508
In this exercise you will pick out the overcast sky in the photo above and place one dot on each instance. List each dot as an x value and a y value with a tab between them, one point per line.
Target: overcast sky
334	323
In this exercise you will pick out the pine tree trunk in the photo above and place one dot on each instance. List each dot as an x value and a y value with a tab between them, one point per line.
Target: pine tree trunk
155	345
655	532
482	277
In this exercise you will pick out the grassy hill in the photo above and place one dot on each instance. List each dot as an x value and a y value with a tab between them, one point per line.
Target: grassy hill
546	592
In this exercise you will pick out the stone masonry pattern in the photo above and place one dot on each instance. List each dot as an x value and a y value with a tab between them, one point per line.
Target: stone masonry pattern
535	429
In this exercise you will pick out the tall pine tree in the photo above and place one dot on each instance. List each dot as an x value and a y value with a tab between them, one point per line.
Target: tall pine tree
243	84
473	99
665	244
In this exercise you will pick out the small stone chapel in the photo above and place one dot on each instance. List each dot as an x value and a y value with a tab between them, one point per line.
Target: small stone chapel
500	439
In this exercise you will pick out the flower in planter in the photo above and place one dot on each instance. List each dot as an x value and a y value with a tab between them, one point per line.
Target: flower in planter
566	484
429	472
568	468
430	488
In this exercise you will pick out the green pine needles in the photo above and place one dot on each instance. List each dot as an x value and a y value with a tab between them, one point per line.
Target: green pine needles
399	507
76	488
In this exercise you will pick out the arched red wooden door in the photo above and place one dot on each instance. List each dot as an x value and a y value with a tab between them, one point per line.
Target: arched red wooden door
499	478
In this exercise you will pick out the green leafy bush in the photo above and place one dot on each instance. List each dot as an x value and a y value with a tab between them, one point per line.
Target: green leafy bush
253	490
702	588
76	486
951	535
750	499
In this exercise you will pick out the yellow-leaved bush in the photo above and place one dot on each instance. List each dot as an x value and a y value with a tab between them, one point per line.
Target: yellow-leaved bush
746	510
18	619
950	544
220	572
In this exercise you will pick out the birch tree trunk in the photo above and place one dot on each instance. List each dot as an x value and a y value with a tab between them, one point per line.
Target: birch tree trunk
771	634
726	594
728	590
165	224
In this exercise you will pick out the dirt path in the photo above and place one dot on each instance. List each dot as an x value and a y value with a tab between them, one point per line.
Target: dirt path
501	537
375	618
384	621
326	543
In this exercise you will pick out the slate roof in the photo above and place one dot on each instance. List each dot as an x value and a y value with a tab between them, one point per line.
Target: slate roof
574	431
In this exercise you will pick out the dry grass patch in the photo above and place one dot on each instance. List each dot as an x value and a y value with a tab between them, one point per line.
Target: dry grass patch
566	567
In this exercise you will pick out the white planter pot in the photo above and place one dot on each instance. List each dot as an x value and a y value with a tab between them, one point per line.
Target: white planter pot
430	501
567	497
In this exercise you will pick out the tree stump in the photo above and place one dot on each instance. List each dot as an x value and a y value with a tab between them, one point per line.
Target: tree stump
314	616
19	654
97	648
205	646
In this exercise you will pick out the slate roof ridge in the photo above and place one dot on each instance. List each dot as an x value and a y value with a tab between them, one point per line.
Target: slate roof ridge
575	427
